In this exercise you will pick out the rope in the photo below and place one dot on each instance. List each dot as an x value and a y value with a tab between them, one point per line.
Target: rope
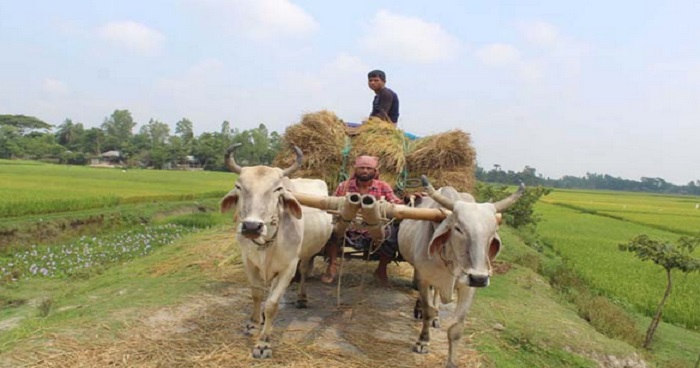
343	174
382	216
340	272
403	176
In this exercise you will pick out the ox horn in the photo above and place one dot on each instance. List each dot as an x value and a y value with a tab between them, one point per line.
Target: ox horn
435	195
504	203
297	164
230	161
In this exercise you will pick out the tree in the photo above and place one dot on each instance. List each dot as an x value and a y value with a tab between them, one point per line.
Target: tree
23	123
93	140
118	129
227	133
157	131
177	150
183	129
209	150
69	134
10	142
523	211
669	257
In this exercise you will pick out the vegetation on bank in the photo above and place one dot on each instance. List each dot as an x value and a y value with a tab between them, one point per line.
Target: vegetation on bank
589	244
518	320
87	255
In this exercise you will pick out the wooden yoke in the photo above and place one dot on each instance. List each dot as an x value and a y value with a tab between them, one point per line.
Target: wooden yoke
390	210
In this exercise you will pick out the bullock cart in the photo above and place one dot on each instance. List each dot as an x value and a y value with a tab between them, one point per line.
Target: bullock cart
330	145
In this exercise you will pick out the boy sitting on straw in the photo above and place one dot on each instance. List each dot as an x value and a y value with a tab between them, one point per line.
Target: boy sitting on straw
386	102
365	181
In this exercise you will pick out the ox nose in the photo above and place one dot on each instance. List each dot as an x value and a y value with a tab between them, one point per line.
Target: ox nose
478	280
251	227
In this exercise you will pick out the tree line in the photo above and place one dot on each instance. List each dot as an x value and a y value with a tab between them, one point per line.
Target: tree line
154	145
530	177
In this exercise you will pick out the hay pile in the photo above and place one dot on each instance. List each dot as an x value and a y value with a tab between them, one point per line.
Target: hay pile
381	139
446	158
321	137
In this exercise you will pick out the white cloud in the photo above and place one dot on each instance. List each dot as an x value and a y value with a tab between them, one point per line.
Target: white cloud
540	33
498	54
133	36
260	18
54	87
200	79
546	56
409	38
338	85
530	71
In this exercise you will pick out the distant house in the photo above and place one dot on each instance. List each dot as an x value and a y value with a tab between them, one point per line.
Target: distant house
109	158
189	163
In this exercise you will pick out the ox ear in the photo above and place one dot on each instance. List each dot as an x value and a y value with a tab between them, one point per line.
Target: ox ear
494	247
440	237
291	204
229	201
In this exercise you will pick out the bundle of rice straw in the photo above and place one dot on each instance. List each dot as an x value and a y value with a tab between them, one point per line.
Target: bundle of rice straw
383	140
446	158
321	137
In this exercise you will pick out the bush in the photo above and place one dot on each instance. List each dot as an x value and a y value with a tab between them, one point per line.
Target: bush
522	212
198	220
607	318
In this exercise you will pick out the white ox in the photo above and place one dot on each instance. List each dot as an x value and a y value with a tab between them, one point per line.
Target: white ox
275	232
454	255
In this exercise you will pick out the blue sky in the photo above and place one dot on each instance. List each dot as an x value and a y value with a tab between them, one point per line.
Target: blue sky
568	88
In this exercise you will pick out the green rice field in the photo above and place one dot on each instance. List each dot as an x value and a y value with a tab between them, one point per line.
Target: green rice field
585	227
30	188
676	214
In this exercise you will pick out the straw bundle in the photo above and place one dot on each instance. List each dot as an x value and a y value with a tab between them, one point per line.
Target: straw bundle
446	158
383	140
321	137
462	180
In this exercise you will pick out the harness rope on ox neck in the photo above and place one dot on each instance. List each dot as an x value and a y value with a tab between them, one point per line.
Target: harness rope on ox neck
274	222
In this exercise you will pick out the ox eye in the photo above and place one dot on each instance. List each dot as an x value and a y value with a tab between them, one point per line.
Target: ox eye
279	189
237	186
459	230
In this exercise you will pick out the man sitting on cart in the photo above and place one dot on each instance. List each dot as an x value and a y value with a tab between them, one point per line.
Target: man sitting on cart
365	180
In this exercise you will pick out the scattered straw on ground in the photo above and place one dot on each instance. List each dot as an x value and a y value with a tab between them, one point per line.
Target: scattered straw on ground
372	328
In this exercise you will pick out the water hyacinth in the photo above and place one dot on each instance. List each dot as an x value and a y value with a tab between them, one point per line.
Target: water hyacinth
86	252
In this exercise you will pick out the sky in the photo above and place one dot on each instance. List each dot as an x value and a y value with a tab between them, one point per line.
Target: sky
608	87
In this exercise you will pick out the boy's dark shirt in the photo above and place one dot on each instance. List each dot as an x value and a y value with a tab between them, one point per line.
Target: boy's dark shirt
386	105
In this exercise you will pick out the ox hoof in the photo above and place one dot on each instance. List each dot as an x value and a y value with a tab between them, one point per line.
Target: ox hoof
250	329
301	304
421	347
435	323
262	350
